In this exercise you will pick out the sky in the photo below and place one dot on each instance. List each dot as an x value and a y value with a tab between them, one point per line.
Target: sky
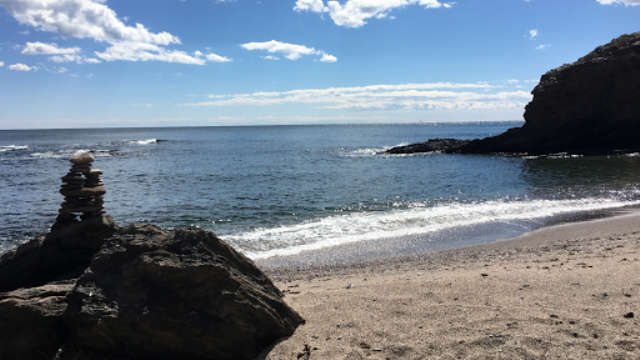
124	63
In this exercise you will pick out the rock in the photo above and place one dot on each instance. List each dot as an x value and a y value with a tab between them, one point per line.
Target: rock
82	158
433	145
62	254
89	208
146	294
186	294
80	169
31	319
589	107
84	192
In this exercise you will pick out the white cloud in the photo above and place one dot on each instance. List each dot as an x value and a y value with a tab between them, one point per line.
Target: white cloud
22	67
436	96
290	51
625	2
353	13
541	47
59	55
217	58
533	33
82	19
310	5
91	61
137	51
328	58
38	48
270	57
1	63
92	19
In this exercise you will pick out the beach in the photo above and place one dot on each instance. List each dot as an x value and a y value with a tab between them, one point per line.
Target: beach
569	291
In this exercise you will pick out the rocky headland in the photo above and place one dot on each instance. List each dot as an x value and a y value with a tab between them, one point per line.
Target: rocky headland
92	290
589	107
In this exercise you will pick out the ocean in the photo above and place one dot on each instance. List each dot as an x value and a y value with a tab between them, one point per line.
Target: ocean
281	190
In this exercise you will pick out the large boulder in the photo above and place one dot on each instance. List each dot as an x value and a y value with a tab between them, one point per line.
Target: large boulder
186	294
588	107
144	294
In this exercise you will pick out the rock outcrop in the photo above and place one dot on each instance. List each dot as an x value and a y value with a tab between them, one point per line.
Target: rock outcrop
433	145
589	107
145	294
92	290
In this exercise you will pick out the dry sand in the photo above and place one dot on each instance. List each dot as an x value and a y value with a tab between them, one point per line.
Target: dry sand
566	292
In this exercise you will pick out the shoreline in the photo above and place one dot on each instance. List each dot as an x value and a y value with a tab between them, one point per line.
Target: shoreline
405	249
567	291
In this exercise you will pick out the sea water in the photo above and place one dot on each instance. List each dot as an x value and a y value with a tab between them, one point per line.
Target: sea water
279	190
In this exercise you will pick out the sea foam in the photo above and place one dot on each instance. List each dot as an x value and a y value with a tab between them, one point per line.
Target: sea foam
417	220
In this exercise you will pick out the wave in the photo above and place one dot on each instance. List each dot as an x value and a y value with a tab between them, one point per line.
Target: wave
57	154
144	142
417	220
13	147
370	151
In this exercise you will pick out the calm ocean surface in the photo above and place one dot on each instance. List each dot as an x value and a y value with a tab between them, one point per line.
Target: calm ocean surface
283	189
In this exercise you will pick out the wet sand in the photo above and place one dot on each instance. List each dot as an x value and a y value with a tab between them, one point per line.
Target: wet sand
566	292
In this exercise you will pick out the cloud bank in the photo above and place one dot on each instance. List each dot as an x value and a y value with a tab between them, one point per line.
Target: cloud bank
289	51
436	96
353	13
92	19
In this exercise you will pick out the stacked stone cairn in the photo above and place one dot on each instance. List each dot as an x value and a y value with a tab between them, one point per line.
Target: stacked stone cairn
82	190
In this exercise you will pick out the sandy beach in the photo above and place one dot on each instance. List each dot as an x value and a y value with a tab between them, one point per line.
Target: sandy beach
566	292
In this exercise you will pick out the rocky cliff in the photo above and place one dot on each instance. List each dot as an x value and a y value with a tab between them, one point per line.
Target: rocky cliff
589	107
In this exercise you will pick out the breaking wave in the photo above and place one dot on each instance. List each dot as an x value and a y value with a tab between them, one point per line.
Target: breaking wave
416	220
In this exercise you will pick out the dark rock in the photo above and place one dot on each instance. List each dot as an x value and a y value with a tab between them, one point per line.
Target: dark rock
589	107
32	327
146	294
186	294
433	145
64	253
84	192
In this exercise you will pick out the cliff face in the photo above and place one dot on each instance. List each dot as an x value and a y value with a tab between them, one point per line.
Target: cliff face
591	106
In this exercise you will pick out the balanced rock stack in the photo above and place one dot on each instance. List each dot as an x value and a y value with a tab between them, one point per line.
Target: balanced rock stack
82	190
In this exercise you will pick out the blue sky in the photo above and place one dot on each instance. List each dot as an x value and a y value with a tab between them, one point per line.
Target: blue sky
112	63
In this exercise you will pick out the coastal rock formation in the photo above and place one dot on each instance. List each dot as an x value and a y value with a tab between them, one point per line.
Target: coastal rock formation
589	107
89	289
